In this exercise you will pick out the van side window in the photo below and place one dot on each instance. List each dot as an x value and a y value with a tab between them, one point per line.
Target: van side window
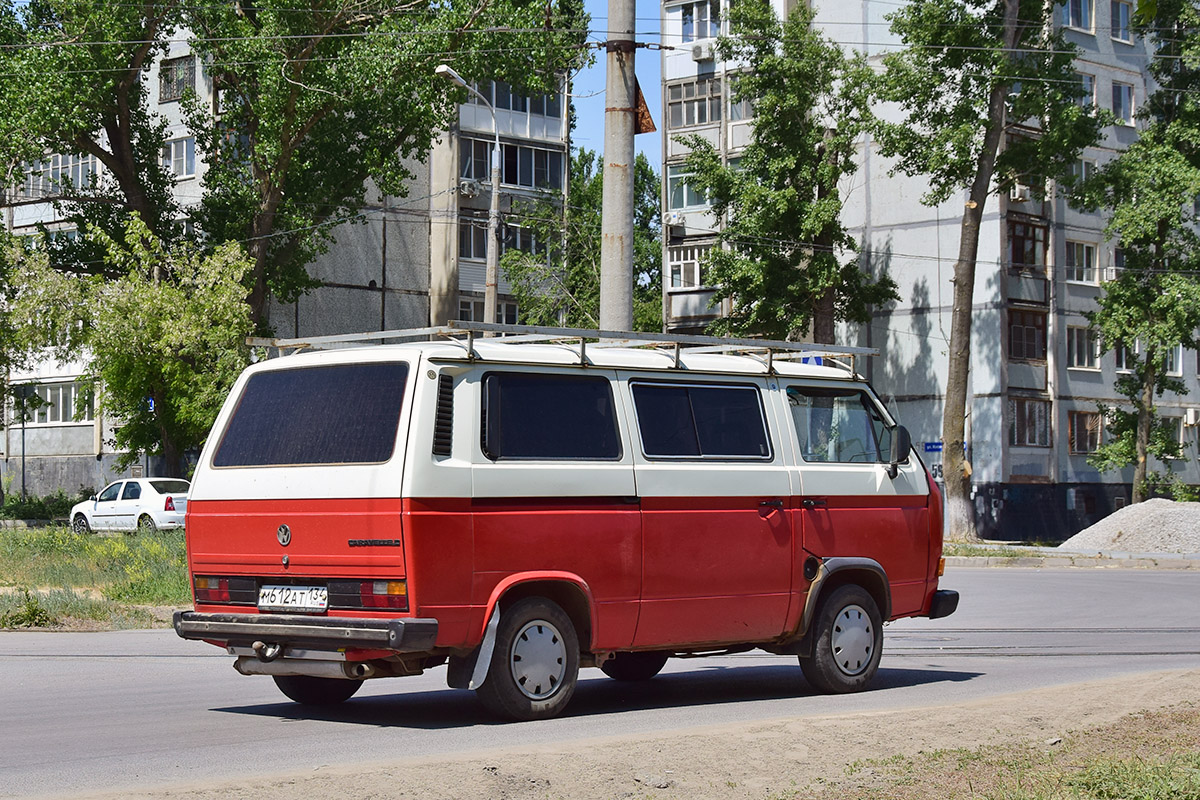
527	415
701	421
839	425
343	414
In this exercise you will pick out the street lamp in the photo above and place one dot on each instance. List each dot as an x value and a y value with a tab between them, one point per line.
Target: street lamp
445	72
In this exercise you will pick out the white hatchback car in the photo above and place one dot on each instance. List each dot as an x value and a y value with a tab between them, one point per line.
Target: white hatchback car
143	504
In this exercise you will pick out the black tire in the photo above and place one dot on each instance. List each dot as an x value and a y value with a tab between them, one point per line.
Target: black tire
80	525
640	666
535	663
310	691
848	642
146	524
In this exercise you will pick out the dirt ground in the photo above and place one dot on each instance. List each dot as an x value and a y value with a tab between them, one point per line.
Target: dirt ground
771	760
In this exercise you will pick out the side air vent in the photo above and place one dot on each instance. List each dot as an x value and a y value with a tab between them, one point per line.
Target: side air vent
443	425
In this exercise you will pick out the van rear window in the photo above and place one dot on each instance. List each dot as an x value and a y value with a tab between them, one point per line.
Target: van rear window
341	414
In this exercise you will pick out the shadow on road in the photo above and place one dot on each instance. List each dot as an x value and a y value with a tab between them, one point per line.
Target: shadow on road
712	686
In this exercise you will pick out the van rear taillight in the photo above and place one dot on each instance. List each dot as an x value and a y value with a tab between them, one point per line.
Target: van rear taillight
170	504
230	591
369	594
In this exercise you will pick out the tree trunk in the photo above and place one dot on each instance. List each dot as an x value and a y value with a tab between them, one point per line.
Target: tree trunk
1145	412
960	512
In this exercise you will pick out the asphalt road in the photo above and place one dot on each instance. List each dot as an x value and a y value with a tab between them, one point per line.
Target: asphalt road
96	712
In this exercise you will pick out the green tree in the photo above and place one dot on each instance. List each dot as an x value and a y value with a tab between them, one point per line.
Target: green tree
780	263
162	354
314	102
74	83
560	284
987	94
1154	302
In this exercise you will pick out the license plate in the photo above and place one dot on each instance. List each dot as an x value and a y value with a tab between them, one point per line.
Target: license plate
293	598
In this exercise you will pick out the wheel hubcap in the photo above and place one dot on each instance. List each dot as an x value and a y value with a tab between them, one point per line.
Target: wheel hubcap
538	659
853	640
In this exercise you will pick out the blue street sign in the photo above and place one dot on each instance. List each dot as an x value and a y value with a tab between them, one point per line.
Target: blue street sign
933	447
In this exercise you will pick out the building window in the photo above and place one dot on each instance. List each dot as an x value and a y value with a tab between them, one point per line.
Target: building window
1028	422
475	156
1084	431
472	311
1081	262
49	176
1027	335
1125	357
531	167
1087	89
1083	348
1026	245
179	157
696	102
1174	426
1173	361
1122	103
176	76
50	404
519	238
701	20
1078	14
472	238
739	110
680	193
1121	13
683	262
1118	265
502	95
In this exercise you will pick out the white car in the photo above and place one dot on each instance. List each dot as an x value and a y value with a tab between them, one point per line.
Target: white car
143	504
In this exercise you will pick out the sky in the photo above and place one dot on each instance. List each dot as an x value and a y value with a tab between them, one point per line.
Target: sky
588	88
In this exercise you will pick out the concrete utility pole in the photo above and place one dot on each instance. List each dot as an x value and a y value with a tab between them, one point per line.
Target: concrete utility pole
616	225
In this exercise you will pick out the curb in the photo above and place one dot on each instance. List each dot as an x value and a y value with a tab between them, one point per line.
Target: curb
1172	561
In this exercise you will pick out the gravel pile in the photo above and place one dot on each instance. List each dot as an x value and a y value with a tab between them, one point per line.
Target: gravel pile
1153	526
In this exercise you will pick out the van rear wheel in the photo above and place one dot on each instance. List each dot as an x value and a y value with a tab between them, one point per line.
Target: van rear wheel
641	666
310	691
535	663
848	643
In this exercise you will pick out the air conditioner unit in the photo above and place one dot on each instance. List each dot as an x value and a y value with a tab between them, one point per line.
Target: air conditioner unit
468	187
1192	417
703	50
1019	193
1111	273
676	219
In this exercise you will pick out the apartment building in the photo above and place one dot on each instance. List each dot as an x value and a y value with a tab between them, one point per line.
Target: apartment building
407	262
1037	373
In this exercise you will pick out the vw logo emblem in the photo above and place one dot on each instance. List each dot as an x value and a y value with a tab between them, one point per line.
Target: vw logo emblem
284	535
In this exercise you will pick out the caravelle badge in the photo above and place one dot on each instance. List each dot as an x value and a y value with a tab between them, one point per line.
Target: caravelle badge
284	535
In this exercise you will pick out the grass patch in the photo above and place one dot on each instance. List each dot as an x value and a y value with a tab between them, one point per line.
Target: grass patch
975	551
68	609
123	570
1147	756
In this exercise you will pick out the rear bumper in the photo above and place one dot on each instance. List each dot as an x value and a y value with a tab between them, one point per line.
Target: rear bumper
944	603
334	633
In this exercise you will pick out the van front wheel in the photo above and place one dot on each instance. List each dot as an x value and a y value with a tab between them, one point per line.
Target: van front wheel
535	663
848	643
310	691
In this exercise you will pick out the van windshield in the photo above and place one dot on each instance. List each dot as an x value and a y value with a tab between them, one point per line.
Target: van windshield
341	414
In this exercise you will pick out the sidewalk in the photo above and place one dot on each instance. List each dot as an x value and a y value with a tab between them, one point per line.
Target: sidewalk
1014	554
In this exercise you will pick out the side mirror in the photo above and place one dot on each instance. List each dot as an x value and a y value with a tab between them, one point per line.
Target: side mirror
93	498
901	444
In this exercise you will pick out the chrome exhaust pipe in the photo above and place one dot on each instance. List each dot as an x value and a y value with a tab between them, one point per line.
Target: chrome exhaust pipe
343	670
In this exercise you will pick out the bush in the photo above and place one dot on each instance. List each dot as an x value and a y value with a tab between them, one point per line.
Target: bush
52	506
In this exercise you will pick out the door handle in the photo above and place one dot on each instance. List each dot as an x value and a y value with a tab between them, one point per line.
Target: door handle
809	502
775	503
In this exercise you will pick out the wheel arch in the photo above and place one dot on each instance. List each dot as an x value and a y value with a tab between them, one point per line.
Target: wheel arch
865	572
570	592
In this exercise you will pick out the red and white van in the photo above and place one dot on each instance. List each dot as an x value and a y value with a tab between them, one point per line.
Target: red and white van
522	509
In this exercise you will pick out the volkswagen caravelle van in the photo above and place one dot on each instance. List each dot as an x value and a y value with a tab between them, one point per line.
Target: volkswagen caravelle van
521	509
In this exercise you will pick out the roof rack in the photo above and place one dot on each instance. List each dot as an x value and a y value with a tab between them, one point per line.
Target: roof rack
766	350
